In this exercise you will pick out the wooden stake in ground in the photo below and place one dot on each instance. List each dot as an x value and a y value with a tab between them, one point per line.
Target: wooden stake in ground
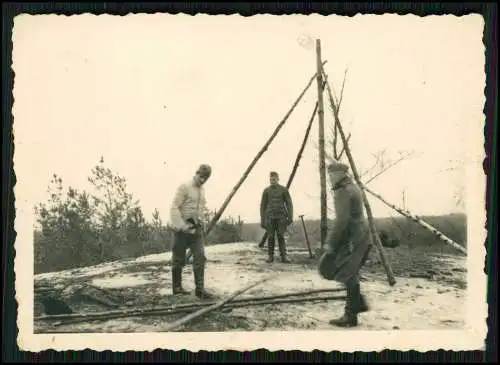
203	311
306	236
321	143
371	224
419	221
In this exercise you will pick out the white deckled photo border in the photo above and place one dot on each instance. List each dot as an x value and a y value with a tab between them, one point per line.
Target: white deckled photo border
471	338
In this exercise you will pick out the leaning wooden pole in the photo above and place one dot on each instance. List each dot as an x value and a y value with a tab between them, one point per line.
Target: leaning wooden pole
371	224
297	160
199	313
336	155
321	144
261	152
419	221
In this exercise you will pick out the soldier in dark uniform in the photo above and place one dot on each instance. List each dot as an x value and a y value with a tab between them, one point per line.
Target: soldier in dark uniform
276	212
348	243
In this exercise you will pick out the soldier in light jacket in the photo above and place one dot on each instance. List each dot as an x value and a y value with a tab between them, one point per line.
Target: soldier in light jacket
348	243
186	218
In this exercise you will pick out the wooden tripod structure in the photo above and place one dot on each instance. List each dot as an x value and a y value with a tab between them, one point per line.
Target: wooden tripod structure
321	78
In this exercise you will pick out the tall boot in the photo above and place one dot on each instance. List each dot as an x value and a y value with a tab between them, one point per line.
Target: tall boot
359	302
262	243
270	250
363	304
352	306
177	281
282	247
199	280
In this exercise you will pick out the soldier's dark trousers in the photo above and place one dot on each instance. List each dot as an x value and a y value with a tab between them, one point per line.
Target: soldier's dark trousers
183	241
276	227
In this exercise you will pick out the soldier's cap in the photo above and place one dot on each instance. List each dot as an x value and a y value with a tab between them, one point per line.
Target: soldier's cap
273	173
204	170
338	167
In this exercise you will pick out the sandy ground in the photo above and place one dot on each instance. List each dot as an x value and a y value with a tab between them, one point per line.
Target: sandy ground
429	294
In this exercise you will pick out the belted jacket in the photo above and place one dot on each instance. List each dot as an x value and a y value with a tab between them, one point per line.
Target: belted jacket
276	203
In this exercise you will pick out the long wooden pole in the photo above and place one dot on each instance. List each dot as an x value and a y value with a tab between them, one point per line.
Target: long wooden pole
335	132
297	160
371	224
213	307
419	221
321	143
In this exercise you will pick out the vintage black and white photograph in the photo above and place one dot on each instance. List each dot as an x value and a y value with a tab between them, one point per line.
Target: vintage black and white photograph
278	182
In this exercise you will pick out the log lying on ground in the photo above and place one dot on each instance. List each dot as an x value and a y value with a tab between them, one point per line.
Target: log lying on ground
181	308
230	305
181	322
419	221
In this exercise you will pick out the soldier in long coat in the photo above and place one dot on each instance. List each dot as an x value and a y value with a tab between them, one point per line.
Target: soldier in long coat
348	243
276	214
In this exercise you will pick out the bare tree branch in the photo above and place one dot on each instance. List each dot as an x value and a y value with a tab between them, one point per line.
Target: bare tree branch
390	165
342	90
369	170
338	101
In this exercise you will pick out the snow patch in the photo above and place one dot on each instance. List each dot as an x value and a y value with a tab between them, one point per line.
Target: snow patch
84	271
159	257
155	258
122	281
231	247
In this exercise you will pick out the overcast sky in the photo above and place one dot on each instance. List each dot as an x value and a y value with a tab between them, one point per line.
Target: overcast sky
157	95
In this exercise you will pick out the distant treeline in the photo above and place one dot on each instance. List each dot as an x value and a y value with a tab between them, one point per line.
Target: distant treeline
393	231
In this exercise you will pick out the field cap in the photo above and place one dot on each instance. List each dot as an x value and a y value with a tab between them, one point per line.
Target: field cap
337	167
204	170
